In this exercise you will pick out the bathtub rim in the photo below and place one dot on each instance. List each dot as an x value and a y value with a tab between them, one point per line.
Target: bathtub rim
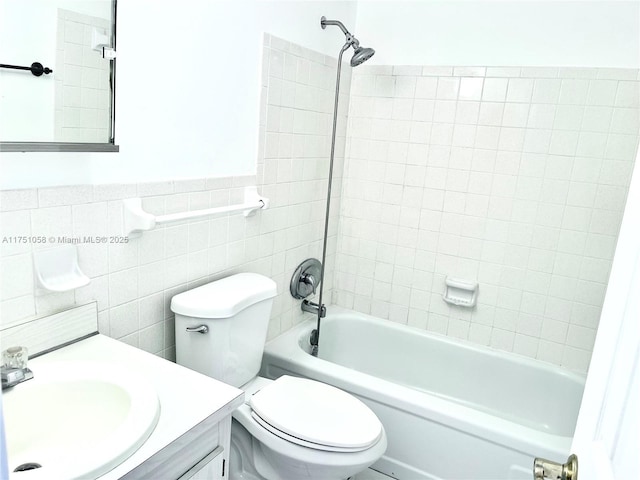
284	352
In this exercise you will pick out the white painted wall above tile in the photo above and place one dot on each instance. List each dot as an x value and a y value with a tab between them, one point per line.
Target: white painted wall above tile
192	118
509	33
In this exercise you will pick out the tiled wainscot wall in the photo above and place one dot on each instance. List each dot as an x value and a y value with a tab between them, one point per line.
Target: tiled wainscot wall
133	283
512	177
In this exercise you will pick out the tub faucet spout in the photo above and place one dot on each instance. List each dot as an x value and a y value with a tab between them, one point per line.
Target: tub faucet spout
314	308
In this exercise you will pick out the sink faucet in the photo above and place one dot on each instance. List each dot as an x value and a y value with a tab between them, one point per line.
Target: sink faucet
14	370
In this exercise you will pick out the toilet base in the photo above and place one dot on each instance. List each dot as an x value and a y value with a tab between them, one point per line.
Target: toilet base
240	464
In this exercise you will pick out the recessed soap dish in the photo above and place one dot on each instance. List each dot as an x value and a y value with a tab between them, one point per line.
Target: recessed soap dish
57	269
461	293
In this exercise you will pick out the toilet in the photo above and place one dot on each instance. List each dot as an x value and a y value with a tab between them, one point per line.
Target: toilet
290	428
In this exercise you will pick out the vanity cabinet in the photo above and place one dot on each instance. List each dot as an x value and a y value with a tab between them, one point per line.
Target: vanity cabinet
200	454
210	467
214	466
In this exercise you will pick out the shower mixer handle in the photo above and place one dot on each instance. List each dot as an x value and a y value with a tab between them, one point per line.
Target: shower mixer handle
310	280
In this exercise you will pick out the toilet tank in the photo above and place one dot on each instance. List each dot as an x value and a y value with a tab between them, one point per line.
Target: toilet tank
235	311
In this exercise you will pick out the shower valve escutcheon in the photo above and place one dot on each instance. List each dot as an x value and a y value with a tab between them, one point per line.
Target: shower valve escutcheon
306	279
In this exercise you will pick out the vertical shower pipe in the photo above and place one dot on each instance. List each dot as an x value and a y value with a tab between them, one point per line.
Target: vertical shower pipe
315	337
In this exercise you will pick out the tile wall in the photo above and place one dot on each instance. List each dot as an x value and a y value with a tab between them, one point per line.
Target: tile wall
82	81
512	177
133	283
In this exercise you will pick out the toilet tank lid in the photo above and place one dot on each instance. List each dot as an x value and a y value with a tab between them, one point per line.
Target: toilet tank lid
225	297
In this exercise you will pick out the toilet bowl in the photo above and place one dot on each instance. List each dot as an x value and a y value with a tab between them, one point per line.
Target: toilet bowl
287	429
288	439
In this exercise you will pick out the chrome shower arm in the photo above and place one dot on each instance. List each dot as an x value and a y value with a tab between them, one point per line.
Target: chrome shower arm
351	40
324	22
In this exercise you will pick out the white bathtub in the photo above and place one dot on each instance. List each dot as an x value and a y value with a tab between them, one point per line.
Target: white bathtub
451	409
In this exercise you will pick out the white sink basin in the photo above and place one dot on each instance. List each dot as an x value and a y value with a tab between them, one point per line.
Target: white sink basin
76	421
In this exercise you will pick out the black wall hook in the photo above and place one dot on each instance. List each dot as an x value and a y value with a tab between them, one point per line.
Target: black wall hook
36	68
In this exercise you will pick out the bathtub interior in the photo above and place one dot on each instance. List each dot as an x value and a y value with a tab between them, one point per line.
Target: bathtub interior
508	386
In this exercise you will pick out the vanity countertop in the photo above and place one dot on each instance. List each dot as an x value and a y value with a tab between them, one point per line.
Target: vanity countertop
187	398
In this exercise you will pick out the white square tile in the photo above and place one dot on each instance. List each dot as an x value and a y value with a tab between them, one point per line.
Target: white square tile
585	315
537	141
423	110
581	194
123	320
520	90
615	172
16	276
590	293
405	87
480	183
447	88
444	111
441	133
610	197
621	147
384	85
463	135
491	113
467	112
574	92
628	95
483	160
502	339
625	121
597	119
494	90
546	91
14	225
541	116
487	137
575	358
554	330
471	88
511	139
602	92
426	87
563	143
600	245
515	115
420	131
550	351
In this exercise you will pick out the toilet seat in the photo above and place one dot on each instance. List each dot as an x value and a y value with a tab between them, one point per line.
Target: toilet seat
315	415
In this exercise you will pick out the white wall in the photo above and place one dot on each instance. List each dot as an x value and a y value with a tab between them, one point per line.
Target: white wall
502	33
188	86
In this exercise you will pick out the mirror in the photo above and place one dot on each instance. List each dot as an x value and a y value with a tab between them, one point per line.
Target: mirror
57	77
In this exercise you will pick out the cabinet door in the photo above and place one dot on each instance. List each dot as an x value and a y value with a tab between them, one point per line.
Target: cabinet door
209	468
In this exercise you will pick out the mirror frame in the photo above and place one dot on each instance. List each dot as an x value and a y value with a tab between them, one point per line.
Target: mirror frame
109	146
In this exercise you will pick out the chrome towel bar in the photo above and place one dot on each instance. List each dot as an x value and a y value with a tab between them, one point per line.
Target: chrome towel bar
136	220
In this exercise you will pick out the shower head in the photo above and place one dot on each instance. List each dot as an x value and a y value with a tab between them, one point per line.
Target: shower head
360	54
